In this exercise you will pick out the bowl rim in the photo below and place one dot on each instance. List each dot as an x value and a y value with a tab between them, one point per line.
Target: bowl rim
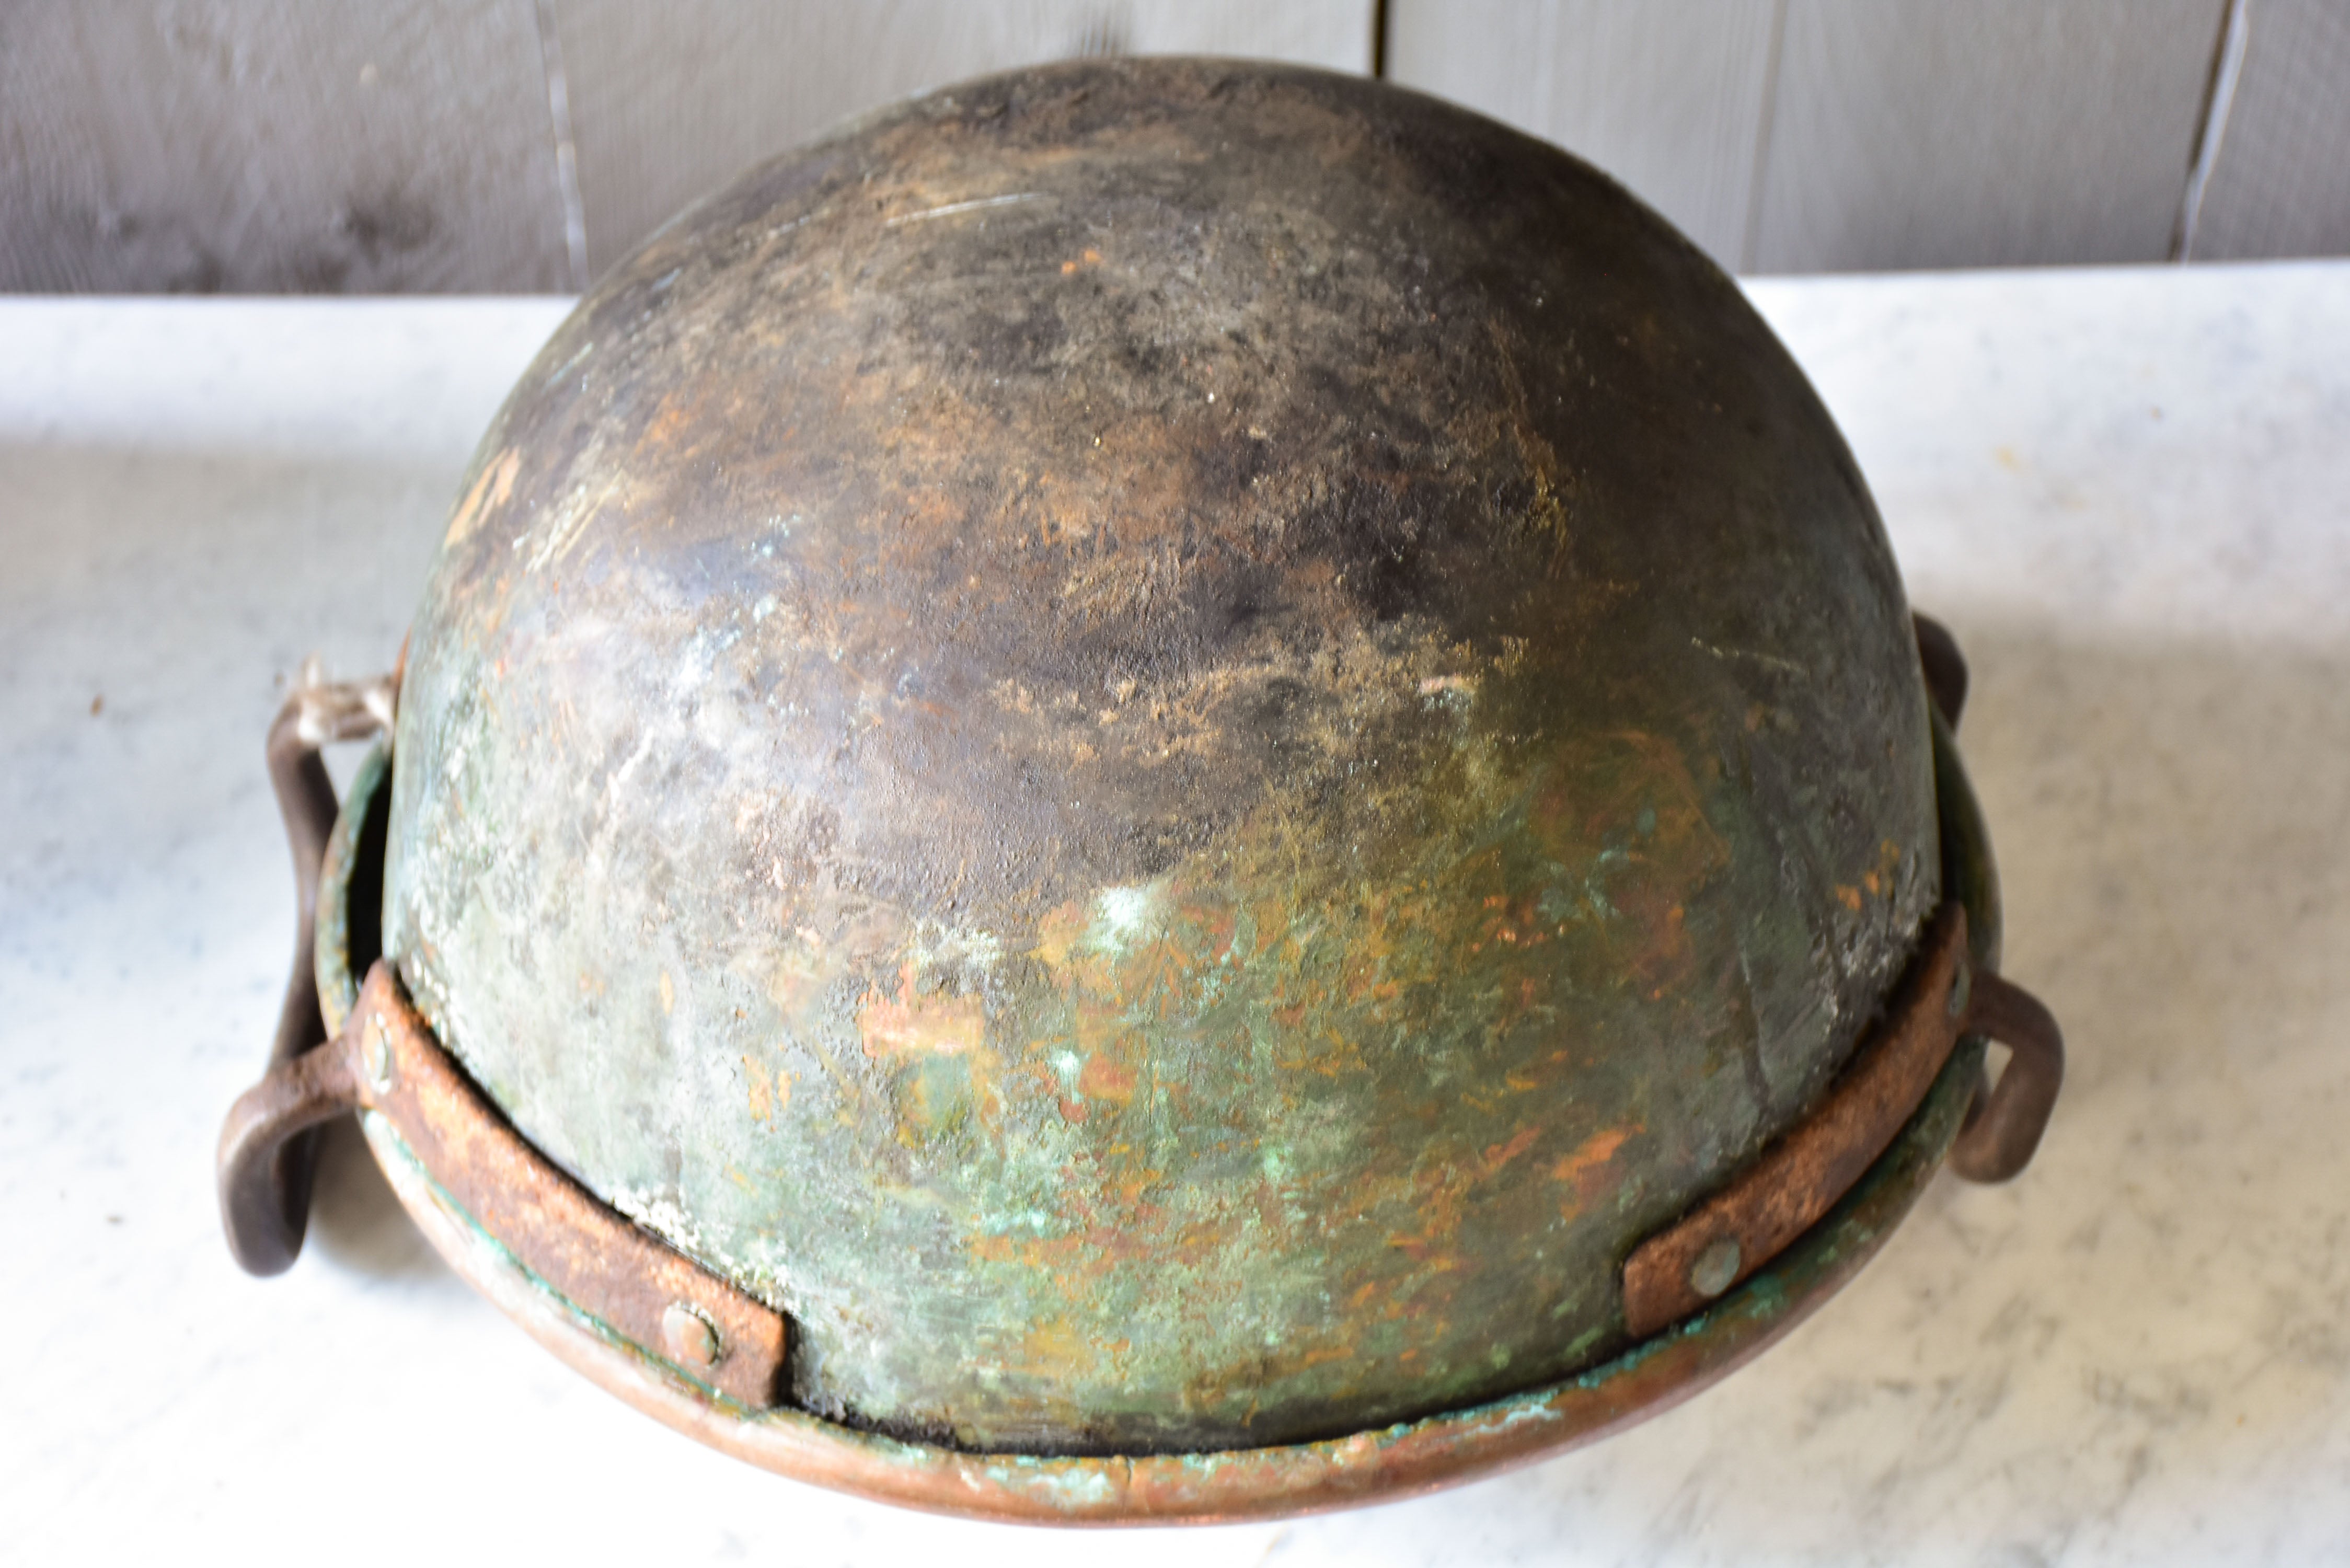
1380	1464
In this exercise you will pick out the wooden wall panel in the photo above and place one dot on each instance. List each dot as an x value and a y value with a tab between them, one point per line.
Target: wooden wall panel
2279	179
276	145
1922	133
668	101
406	145
1669	96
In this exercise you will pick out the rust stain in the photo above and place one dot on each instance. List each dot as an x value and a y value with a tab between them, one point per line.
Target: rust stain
1058	932
912	1023
1586	1168
1501	1154
1105	1079
769	1097
489	492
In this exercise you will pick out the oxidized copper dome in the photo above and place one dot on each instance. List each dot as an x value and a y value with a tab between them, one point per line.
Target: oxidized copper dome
1166	747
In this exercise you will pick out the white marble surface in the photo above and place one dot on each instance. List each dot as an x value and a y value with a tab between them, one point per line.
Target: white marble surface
2128	492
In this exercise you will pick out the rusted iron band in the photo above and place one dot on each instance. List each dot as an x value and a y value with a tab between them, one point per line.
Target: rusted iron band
386	1060
1796	1179
1799	1177
1253	1483
1250	1483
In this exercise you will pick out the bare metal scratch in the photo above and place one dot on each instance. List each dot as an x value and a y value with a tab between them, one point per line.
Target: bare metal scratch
1768	661
952	208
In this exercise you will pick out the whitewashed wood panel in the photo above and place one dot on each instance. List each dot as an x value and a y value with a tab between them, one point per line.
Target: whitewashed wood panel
262	146
2279	173
1668	96
1926	133
668	101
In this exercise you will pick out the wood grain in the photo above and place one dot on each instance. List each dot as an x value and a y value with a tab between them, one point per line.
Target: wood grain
667	102
265	146
258	146
1916	133
1669	98
2280	181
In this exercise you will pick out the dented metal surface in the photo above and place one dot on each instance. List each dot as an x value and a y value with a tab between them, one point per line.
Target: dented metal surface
1167	745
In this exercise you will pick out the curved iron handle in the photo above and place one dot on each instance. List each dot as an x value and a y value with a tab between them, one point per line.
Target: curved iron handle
2003	1126
266	1159
1945	667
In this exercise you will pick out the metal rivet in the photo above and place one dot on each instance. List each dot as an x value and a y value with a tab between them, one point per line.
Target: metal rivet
375	1054
1716	1267
691	1339
1962	981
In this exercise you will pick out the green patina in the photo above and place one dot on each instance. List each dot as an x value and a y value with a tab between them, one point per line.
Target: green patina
1166	746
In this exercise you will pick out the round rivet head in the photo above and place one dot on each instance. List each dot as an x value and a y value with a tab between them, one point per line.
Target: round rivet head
691	1339
375	1056
1962	984
1715	1268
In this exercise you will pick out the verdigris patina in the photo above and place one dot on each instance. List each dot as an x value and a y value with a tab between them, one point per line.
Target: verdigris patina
1166	746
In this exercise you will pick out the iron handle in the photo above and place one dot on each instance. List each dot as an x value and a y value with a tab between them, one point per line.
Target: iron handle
267	1156
2003	1126
1944	666
268	1153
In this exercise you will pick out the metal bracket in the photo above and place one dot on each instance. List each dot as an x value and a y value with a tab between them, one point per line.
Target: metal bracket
1798	1178
385	1061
